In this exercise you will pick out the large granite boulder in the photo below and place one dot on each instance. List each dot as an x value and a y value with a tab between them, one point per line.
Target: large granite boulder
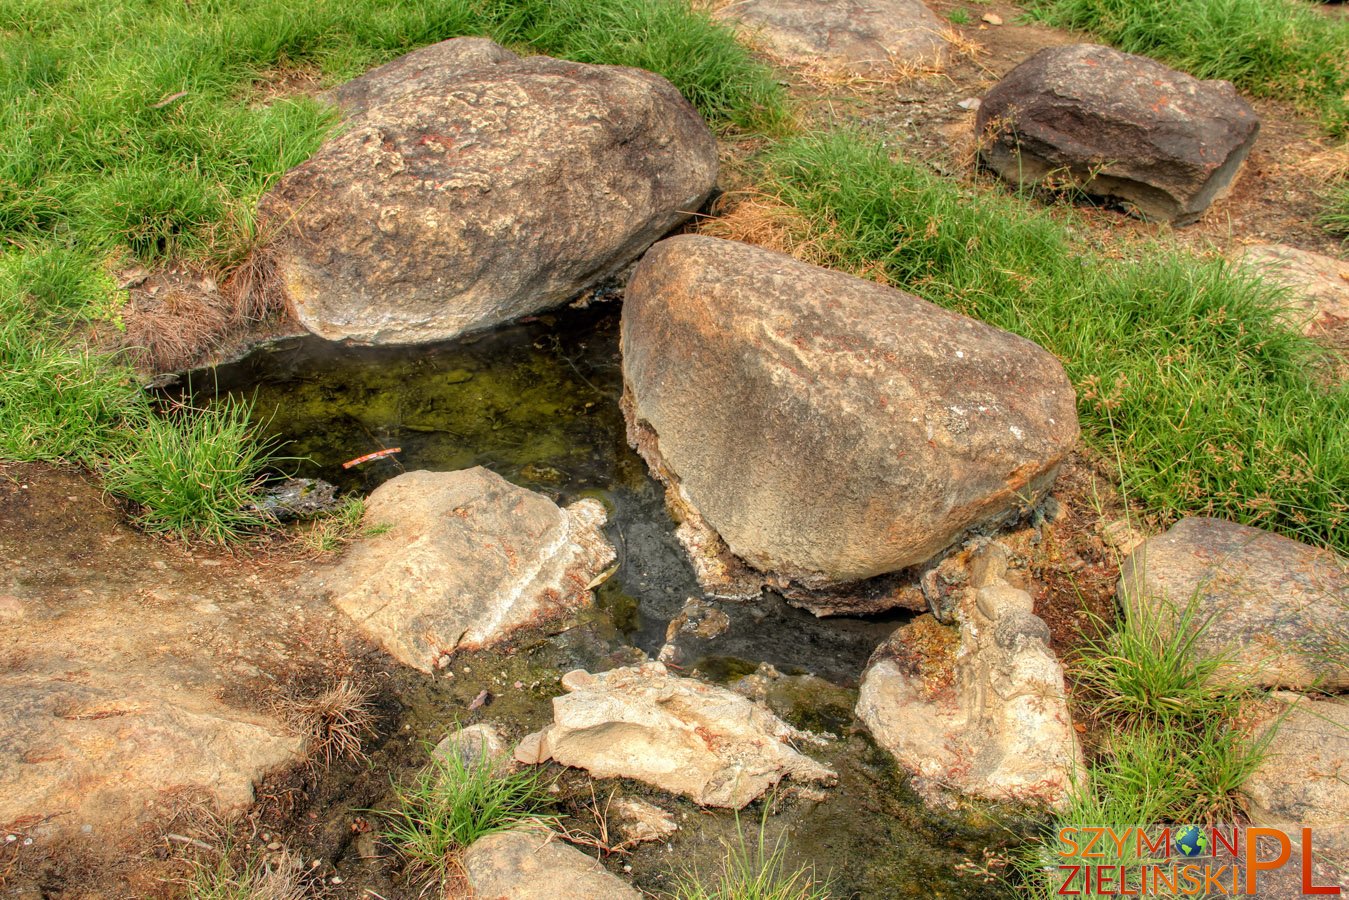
463	195
827	428
1317	286
1303	779
860	37
462	559
980	709
1275	610
534	864
679	734
1117	125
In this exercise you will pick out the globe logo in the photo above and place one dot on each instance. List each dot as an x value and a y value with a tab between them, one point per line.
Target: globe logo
1191	841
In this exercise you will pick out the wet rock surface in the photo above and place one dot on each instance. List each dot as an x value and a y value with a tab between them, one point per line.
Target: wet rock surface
980	710
1117	125
875	38
298	498
534	864
1275	609
826	428
462	560
520	182
678	734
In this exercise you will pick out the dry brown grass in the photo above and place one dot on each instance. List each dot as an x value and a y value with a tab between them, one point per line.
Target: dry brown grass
172	329
335	722
253	287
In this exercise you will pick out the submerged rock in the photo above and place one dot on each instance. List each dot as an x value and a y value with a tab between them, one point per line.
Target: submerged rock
534	864
638	821
1303	779
1275	610
1117	125
979	710
826	428
679	734
861	37
466	194
298	498
474	746
463	559
1318	286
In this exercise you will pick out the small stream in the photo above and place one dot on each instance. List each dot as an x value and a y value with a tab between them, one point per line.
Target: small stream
537	402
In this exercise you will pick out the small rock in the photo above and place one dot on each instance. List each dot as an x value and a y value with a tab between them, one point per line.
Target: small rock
467	558
978	710
474	745
534	864
1117	125
1121	535
679	734
992	18
638	821
1275	609
970	103
298	498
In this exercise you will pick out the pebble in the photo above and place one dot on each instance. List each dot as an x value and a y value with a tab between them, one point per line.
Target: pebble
970	103
993	18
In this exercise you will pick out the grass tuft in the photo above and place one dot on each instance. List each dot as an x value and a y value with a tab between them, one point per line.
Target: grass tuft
753	869
1335	217
193	473
335	722
1271	48
1184	370
450	804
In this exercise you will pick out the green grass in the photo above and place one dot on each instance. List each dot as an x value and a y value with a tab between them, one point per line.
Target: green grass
1173	753
144	130
1184	372
1270	48
1335	218
450	804
753	869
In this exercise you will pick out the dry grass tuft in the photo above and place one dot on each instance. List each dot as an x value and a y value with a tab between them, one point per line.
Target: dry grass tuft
253	287
753	217
335	721
169	332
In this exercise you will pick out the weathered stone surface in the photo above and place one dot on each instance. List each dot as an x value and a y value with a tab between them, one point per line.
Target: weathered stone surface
638	821
98	748
679	734
830	429
1318	286
438	64
863	37
979	710
466	559
1117	125
1276	609
464	198
534	864
298	498
1304	778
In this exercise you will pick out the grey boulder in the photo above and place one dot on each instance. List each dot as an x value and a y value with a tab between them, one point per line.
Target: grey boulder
827	428
462	196
1117	125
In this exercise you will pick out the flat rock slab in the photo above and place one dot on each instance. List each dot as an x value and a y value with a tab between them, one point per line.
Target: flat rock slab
1276	609
464	559
1117	125
977	710
1318	286
1304	778
463	195
830	429
97	748
679	734
862	37
534	864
